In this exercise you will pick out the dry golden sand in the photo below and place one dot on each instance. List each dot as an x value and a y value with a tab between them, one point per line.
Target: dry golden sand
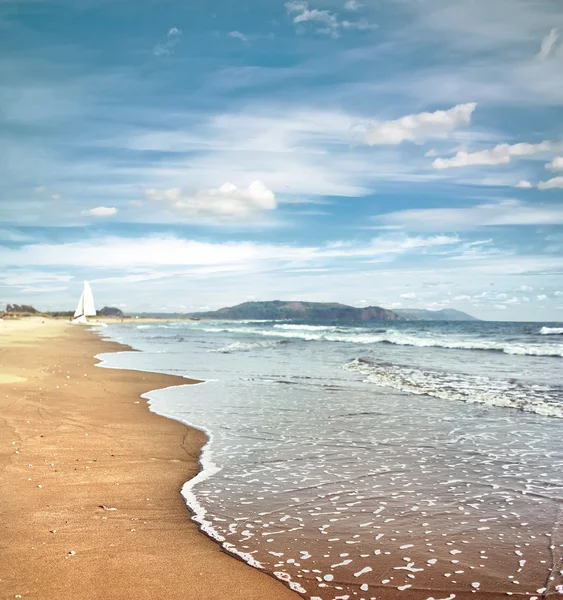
90	479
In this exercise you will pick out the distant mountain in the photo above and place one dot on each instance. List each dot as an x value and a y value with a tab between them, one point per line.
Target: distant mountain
310	312
446	314
110	311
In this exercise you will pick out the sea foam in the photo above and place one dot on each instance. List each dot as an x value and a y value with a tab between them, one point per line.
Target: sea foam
393	336
246	346
551	331
542	400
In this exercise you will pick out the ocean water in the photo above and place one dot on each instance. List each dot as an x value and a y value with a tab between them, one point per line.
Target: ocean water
414	460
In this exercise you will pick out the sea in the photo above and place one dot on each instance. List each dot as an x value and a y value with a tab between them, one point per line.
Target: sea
417	460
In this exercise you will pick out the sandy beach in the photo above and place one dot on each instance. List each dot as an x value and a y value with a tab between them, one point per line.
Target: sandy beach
90	481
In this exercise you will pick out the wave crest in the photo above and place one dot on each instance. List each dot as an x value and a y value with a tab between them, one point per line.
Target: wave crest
400	338
539	399
551	331
245	346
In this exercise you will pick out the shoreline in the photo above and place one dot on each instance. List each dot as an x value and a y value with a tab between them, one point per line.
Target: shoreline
91	480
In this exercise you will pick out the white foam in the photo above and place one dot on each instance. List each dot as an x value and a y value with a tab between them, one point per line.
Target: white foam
551	331
245	346
292	327
422	339
461	387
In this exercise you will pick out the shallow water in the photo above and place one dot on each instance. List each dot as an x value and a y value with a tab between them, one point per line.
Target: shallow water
390	475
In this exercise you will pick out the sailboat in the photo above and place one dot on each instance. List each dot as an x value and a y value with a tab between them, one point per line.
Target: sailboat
86	307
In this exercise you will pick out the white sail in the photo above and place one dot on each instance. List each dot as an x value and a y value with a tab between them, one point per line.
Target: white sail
85	307
80	306
88	307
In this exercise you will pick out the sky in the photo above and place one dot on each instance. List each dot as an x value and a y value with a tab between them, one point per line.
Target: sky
184	156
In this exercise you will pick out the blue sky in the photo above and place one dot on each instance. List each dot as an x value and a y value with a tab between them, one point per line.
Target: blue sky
180	156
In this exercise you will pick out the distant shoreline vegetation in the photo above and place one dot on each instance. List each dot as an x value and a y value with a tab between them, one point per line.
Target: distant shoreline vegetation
28	310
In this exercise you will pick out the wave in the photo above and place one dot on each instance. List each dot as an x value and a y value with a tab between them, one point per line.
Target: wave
399	338
551	331
304	327
539	399
245	346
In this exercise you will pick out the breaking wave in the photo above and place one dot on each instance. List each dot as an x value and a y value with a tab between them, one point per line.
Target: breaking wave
291	327
551	331
245	346
423	339
539	399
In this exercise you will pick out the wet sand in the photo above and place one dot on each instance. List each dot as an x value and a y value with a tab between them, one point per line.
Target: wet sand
90	504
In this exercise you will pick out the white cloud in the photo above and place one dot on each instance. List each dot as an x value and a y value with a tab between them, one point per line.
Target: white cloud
388	246
419	127
556	164
408	296
100	211
166	47
555	182
226	202
462	297
524	184
361	303
170	251
547	44
44	190
525	288
237	35
541	297
482	24
29	278
361	25
43	289
501	154
303	14
505	212
329	22
299	152
149	251
352	5
499	307
558	294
